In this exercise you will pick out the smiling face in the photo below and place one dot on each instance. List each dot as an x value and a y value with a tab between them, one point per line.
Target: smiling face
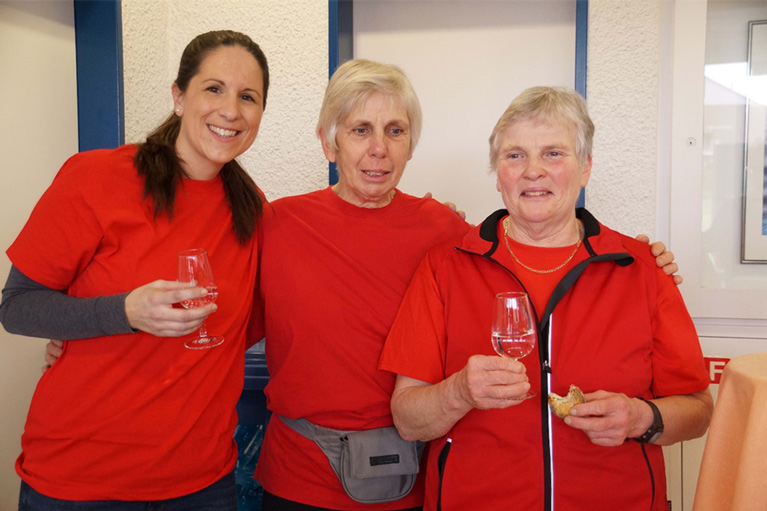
220	111
539	176
373	148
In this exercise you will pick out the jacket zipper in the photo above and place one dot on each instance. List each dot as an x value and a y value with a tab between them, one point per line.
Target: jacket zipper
545	371
441	462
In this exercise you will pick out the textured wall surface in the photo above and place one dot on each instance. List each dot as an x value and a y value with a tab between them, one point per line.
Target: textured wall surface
623	80
286	158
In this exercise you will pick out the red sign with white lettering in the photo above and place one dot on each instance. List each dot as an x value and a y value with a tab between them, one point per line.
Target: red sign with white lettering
715	366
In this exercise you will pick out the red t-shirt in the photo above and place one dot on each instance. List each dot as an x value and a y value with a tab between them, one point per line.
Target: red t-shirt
332	278
132	417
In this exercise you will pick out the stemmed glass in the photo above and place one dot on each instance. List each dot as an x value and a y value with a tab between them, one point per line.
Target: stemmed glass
513	330
194	267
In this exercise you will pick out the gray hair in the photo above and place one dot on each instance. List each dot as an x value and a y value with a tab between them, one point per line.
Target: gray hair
548	103
354	82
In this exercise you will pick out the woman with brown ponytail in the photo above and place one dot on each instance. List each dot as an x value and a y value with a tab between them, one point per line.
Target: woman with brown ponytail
129	416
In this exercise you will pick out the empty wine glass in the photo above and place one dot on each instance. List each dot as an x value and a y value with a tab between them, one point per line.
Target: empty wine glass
513	329
194	267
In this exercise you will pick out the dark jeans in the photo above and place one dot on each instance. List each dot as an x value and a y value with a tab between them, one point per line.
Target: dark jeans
272	502
219	496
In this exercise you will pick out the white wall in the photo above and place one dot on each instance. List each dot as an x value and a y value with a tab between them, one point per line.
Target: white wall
38	131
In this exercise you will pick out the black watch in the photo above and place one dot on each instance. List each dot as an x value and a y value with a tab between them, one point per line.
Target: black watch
655	430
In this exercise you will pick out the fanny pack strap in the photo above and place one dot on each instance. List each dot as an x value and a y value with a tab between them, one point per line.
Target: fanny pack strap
313	431
326	439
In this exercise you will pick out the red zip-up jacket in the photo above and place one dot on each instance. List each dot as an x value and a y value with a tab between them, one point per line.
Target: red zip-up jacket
614	322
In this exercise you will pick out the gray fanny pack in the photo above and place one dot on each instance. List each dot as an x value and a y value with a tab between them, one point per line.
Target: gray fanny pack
375	465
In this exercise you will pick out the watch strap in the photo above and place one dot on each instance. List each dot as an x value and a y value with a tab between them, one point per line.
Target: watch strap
656	428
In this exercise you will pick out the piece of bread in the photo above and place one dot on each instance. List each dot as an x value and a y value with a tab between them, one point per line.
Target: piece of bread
561	405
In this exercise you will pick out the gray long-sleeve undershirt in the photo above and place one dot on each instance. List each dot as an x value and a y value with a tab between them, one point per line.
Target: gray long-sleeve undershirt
32	309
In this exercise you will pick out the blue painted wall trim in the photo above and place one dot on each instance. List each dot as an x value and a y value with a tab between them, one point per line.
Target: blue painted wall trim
581	67
581	44
98	42
341	38
340	47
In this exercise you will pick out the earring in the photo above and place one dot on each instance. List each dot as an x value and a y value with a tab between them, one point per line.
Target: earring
178	110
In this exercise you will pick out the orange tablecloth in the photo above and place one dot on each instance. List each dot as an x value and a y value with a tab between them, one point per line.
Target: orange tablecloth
733	473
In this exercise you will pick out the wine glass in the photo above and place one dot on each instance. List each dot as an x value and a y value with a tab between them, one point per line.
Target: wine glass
513	330
194	267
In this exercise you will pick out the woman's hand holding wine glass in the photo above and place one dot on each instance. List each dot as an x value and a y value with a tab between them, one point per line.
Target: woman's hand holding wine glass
150	308
513	329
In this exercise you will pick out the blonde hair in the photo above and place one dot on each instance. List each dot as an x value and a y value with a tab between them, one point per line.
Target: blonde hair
354	82
547	104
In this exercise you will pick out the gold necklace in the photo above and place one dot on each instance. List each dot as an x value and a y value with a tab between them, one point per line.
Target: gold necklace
523	265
